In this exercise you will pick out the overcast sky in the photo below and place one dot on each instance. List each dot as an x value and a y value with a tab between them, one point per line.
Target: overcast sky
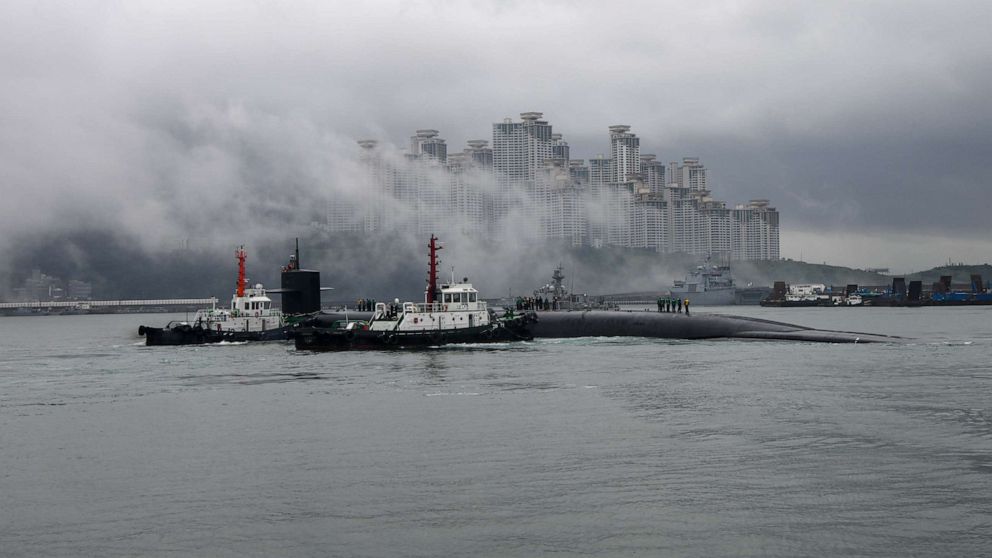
867	124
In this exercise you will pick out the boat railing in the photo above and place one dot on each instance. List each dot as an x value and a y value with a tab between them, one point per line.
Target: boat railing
434	307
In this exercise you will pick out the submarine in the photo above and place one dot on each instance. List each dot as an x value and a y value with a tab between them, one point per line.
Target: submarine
555	324
613	323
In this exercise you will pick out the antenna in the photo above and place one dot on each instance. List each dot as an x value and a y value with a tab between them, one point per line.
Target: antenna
298	266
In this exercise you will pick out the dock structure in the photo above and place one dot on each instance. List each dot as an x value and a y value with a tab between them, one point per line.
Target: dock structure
88	304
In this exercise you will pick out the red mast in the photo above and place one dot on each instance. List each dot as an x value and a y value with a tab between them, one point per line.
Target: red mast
432	271
242	256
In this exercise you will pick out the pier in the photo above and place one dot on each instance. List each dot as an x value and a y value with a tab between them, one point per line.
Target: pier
101	306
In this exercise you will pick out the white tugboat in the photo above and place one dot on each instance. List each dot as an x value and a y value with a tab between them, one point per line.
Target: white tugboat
250	317
450	313
250	312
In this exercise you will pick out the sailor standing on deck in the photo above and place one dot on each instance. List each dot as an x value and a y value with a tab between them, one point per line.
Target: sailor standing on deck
687	307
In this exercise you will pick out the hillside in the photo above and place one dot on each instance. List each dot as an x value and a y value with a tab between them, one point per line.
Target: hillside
960	274
765	273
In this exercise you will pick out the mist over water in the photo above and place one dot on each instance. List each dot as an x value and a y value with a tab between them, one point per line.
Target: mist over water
604	446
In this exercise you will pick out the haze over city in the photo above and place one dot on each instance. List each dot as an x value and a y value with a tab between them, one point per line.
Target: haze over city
865	124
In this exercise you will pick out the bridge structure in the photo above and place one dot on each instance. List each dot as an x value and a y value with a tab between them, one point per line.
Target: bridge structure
90	304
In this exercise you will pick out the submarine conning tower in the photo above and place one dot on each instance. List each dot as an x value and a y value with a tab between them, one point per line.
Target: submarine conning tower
300	287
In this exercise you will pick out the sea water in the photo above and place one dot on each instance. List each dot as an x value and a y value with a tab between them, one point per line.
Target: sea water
602	446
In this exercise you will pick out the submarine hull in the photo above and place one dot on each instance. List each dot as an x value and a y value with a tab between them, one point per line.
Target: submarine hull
594	323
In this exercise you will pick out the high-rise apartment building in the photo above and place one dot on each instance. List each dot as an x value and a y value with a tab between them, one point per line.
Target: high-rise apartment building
562	213
426	145
519	151
559	148
755	232
715	229
520	148
467	201
690	174
650	221
625	150
358	209
480	154
653	172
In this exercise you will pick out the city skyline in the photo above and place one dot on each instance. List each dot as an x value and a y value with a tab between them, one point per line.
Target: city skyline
528	183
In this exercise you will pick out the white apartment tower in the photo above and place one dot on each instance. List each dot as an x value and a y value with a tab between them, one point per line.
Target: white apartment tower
650	223
562	215
358	211
754	232
539	141
520	148
690	174
466	203
715	229
519	152
599	172
559	148
426	145
480	154
625	150
653	172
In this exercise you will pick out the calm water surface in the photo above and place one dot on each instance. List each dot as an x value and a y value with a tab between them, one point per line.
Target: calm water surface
568	447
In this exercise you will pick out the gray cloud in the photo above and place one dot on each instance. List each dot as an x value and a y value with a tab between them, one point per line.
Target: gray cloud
172	120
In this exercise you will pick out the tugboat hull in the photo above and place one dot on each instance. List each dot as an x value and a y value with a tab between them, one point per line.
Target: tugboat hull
185	334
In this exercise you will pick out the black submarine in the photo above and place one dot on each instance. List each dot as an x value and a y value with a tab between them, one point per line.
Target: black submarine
558	324
614	323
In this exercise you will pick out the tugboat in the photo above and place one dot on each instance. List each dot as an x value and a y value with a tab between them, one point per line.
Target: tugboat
450	313
250	316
